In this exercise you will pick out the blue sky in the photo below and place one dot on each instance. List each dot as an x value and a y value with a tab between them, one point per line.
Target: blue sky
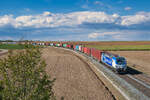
92	20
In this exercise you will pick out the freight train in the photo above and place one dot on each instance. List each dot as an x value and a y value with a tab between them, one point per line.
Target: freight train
115	62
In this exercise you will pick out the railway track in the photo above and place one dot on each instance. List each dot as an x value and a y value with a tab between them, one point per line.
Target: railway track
133	85
140	84
139	80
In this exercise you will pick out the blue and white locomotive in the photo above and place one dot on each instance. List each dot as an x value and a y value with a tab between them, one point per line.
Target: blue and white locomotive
114	61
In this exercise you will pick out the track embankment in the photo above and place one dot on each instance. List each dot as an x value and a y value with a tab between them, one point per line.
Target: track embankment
127	88
74	78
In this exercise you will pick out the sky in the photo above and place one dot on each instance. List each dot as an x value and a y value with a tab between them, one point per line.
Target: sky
75	20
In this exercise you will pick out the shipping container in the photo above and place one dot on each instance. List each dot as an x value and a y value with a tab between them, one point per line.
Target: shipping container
57	45
61	44
74	47
51	44
80	48
64	45
54	44
47	43
87	50
77	47
34	44
71	46
96	54
41	43
68	46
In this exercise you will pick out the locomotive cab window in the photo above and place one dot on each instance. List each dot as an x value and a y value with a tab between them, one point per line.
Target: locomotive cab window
120	60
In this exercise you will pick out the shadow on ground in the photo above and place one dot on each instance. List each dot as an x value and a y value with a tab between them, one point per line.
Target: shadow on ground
133	71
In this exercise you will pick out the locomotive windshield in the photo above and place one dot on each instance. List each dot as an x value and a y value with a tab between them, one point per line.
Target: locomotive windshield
120	60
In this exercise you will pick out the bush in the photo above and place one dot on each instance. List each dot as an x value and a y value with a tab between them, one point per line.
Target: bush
23	77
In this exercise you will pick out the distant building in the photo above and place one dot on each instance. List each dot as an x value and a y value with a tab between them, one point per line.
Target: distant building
8	42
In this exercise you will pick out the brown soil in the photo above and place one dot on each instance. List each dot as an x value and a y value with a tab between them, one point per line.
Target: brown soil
3	55
74	79
112	42
139	60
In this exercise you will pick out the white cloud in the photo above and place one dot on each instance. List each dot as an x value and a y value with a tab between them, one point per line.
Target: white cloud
103	34
46	13
109	33
85	6
98	3
119	35
27	9
127	8
6	20
93	35
135	19
50	20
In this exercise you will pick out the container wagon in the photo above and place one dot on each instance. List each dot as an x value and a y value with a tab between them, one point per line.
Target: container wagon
77	47
42	43
61	44
80	48
47	44
51	44
87	51
57	45
64	45
71	46
74	47
68	46
34	44
96	54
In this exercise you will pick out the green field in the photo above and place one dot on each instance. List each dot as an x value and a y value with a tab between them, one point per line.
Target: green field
121	47
13	46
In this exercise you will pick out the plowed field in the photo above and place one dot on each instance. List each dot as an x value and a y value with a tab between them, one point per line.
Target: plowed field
74	78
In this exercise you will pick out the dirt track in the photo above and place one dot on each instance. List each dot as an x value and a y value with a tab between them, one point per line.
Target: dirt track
74	79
